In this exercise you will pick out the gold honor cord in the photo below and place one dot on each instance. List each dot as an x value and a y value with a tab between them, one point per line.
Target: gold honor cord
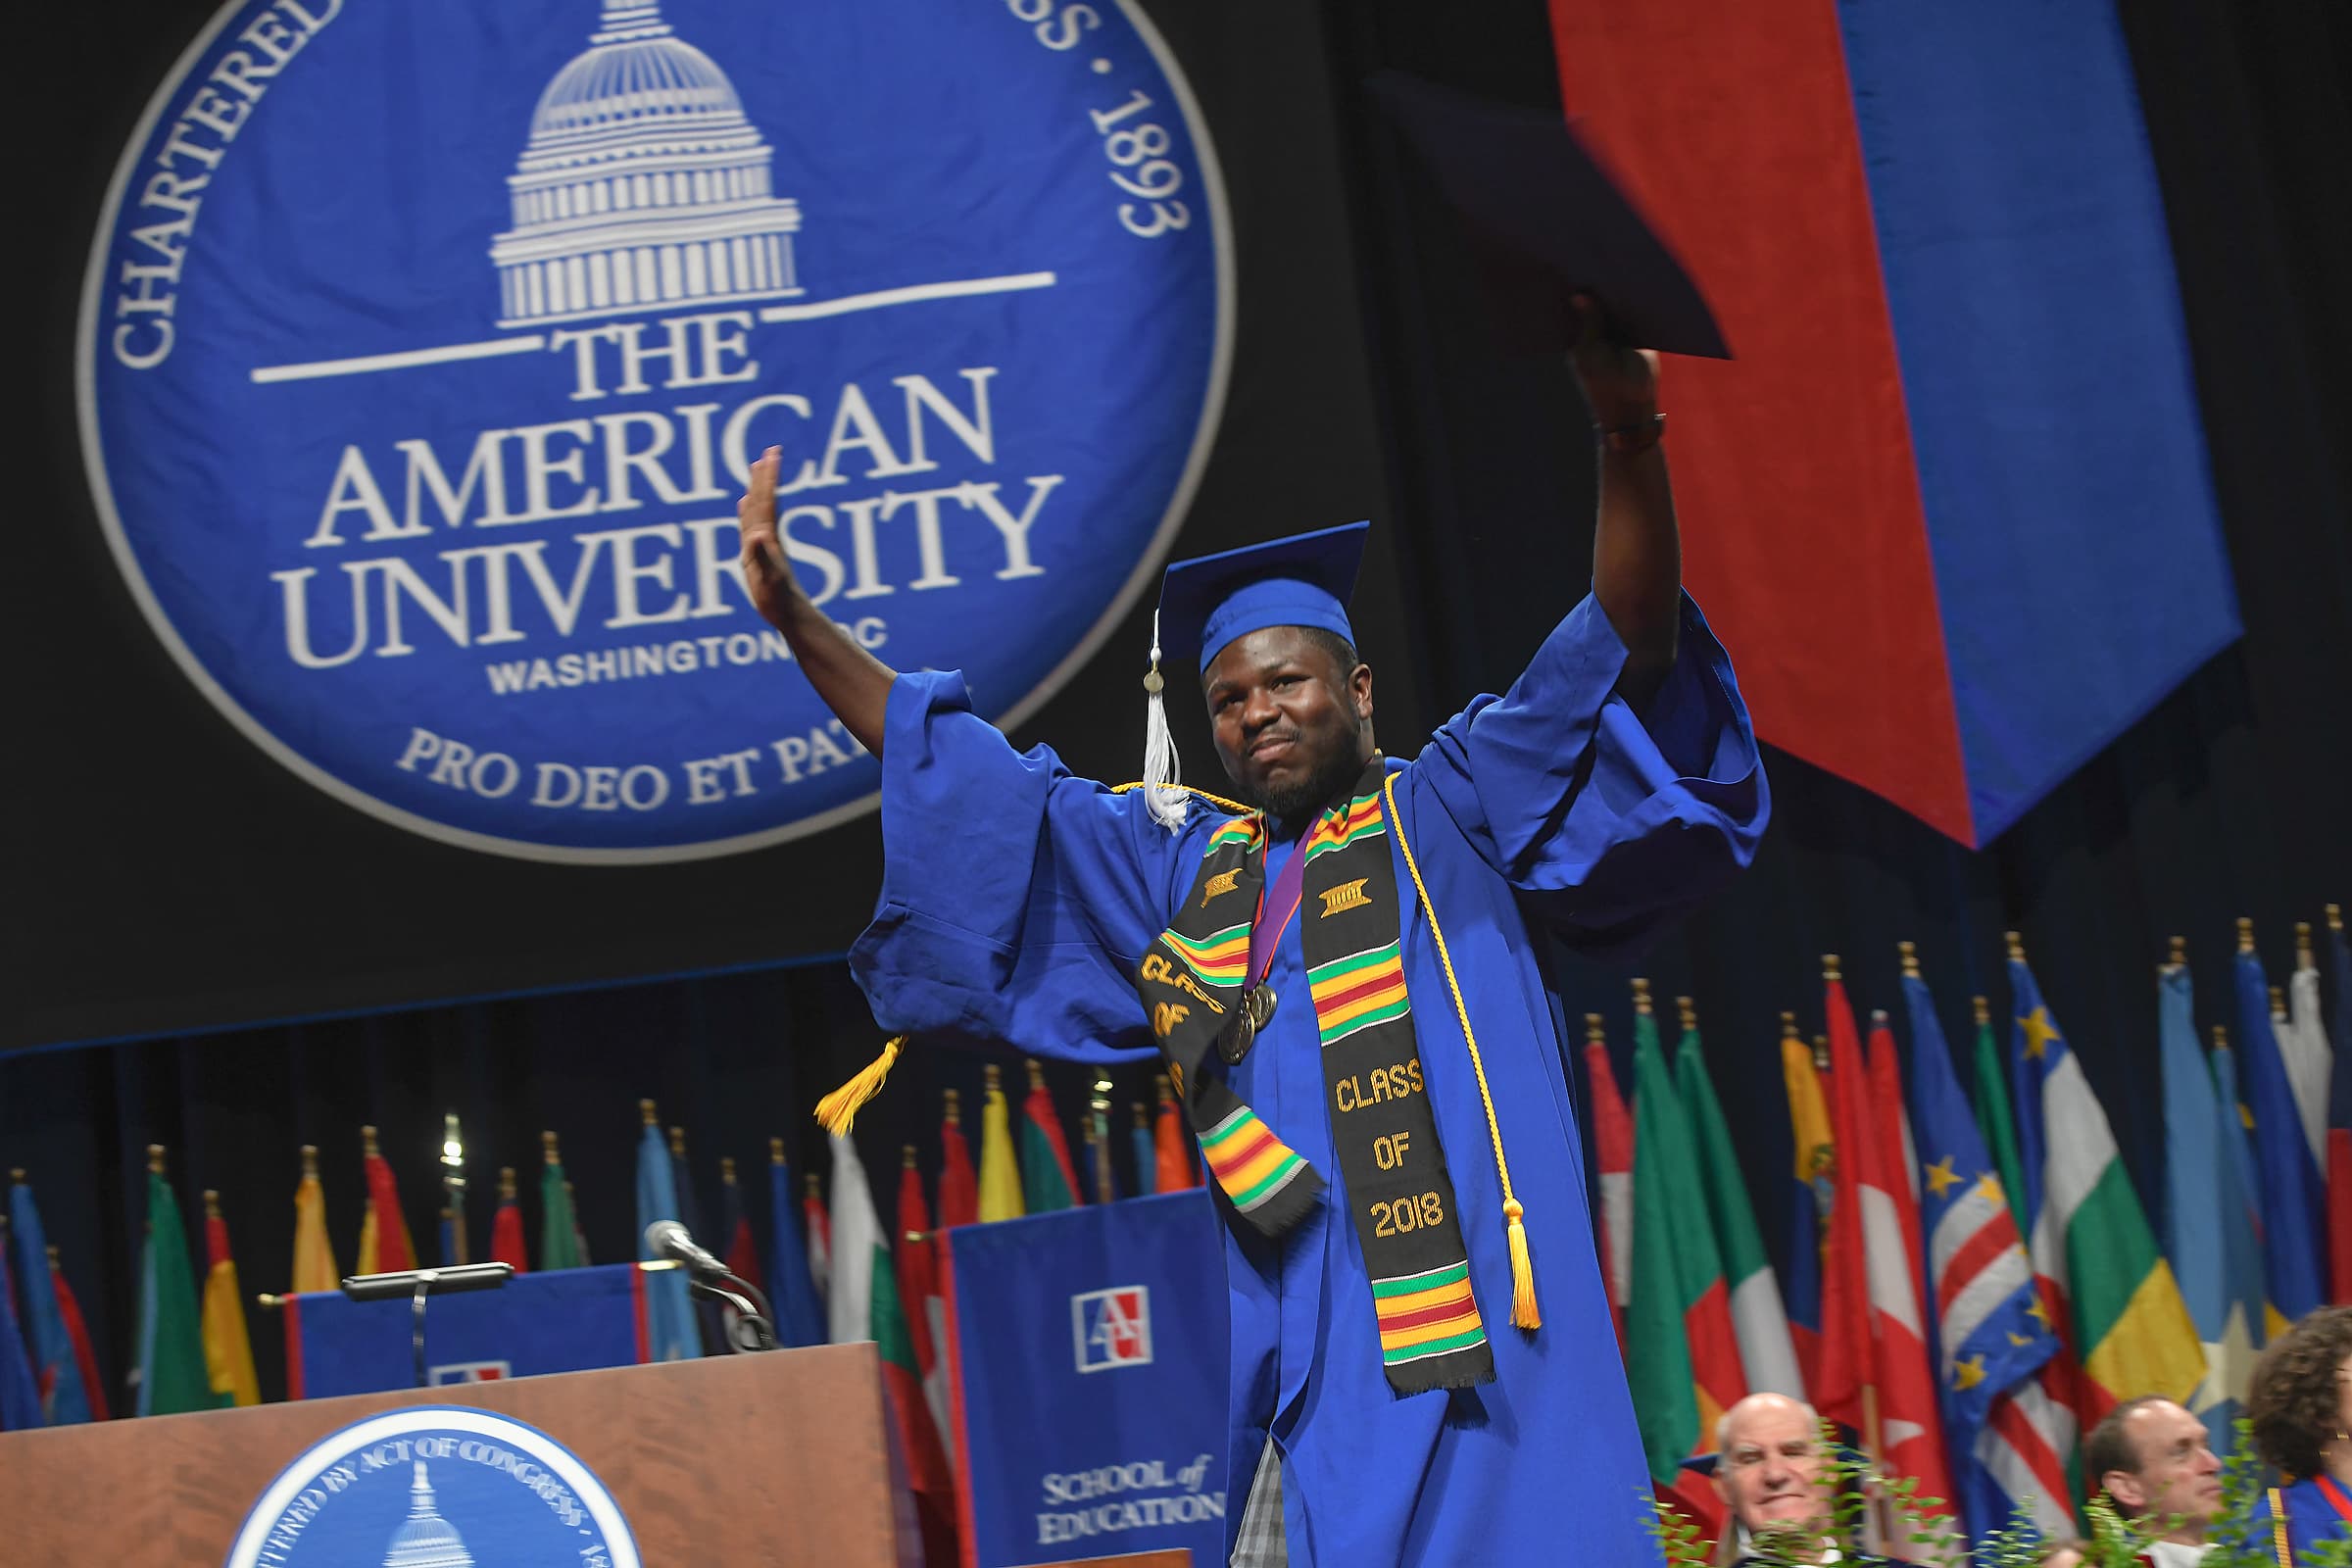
1524	1313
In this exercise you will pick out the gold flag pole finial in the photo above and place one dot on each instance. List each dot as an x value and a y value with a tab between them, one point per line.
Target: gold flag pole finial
775	1151
678	1142
2245	934
809	1184
1142	1120
1909	951
15	1175
646	1115
506	1183
726	1170
2221	1037
2278	1002
2015	943
992	1079
951	1107
1829	969
310	1162
1641	997
1821	1053
1688	1011
905	1157
2335	918
2180	953
1983	1006
1788	1026
1595	1032
212	1204
548	1152
1037	1073
52	1251
369	1147
155	1158
2303	945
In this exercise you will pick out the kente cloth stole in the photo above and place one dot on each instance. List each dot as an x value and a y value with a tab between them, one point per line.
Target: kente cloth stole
1195	982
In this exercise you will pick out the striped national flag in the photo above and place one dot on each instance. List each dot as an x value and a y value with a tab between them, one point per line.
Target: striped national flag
1990	1345
1812	1178
2089	1239
1613	1157
2293	1191
2211	1230
1766	1355
1910	1437
2340	1112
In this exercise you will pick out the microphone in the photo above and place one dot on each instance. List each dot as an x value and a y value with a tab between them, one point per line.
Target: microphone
666	1238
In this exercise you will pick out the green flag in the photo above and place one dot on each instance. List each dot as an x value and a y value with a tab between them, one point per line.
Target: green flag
559	1235
1682	1357
1767	1356
172	1370
1989	1096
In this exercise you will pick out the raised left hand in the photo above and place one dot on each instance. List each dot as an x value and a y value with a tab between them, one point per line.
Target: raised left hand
1620	382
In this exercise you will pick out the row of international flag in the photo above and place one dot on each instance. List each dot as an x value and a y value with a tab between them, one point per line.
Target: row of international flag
833	1273
1974	1280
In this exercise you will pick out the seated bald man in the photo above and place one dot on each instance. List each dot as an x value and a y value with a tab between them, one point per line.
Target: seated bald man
2156	1461
1772	1473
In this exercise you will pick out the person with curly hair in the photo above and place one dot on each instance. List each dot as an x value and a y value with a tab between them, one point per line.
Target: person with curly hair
2302	1419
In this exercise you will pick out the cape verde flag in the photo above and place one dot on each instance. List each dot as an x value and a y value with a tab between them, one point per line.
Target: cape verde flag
1955	241
1990	1341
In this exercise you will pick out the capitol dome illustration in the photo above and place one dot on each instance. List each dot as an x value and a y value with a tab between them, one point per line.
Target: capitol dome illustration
643	185
424	1538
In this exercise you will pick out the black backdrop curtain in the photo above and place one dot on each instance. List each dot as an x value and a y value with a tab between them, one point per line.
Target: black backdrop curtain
2229	798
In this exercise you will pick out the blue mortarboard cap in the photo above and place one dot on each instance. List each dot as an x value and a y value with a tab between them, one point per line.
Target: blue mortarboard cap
1546	221
1303	580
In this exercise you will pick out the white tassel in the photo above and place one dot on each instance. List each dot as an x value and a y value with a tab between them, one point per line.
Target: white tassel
1160	769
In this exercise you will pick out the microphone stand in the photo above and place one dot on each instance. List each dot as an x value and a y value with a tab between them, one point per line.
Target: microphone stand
419	1283
753	1329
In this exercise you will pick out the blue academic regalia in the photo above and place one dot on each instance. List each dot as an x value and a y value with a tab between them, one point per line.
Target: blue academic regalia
2312	1517
1017	900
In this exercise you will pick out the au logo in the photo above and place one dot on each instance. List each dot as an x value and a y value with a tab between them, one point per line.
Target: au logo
423	347
1113	1328
438	1485
1222	883
1347	896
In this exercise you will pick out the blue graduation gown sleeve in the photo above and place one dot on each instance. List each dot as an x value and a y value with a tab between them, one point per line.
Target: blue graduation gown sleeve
1016	898
1607	821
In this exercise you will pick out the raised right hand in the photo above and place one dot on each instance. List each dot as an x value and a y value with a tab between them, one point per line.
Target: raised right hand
766	573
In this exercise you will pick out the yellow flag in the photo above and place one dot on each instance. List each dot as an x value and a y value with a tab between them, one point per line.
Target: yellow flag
367	1262
313	1253
227	1350
999	1168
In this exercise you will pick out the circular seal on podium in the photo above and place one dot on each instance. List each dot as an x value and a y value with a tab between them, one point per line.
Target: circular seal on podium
435	1487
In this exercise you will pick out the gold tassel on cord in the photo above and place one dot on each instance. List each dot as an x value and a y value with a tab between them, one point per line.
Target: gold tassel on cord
838	1109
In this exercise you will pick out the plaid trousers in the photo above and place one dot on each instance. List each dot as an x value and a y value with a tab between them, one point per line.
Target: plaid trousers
1261	1543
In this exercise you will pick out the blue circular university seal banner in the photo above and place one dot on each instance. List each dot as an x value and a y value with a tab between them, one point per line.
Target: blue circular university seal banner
437	1487
424	345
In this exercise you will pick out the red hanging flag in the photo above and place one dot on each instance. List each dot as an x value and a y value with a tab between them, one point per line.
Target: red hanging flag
506	1226
1173	1143
1613	1157
78	1332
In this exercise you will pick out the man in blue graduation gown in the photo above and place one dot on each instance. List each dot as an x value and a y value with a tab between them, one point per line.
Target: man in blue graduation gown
1391	1397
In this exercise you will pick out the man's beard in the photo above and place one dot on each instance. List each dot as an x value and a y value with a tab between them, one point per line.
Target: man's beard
1292	803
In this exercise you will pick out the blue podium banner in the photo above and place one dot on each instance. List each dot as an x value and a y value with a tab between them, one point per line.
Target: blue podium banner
565	1321
1090	1355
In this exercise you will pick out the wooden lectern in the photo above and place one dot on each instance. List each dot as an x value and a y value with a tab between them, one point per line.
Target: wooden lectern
783	1458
